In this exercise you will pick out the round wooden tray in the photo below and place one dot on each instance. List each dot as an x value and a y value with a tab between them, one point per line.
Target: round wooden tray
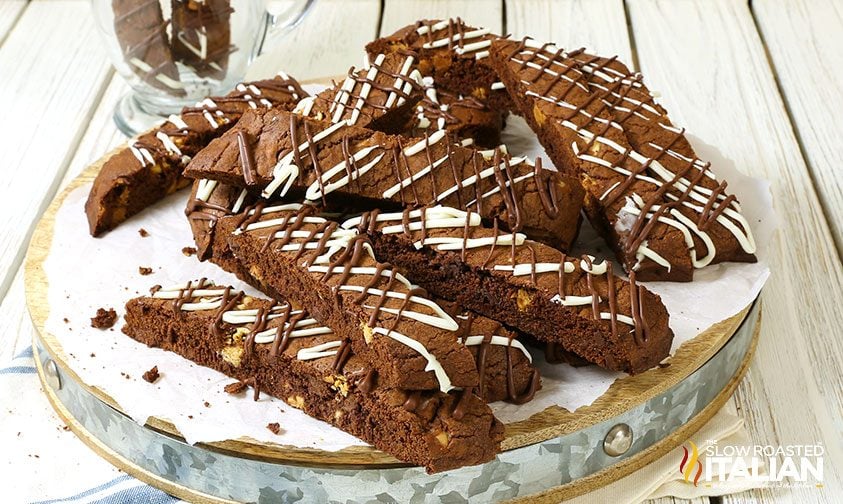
554	423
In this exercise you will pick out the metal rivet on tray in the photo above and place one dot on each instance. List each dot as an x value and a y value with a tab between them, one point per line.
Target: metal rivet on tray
618	440
51	374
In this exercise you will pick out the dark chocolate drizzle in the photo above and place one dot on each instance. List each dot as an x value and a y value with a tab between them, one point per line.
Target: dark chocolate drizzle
604	101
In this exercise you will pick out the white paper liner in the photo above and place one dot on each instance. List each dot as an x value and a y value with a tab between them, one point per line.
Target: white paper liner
85	273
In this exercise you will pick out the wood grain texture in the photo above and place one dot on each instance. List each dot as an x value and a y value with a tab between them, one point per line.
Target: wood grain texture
15	325
10	11
480	13
51	79
803	41
708	60
598	25
677	500
100	135
554	421
328	41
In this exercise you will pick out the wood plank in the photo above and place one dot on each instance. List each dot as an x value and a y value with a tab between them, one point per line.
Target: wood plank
803	40
676	500
480	13
328	41
598	25
713	49
15	325
56	76
101	135
10	11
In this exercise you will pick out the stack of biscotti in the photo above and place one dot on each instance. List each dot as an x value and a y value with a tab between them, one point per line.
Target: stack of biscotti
379	96
464	117
150	166
201	35
283	351
659	206
577	303
324	155
407	258
197	35
141	32
454	54
294	157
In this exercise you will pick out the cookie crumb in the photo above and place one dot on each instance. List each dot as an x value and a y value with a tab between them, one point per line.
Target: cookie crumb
188	251
274	427
143	270
235	388
151	375
143	232
66	321
207	404
104	318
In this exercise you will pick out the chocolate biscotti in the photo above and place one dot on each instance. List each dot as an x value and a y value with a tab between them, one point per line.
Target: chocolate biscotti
201	35
295	255
150	166
142	35
379	96
292	156
284	353
209	201
455	54
661	209
578	303
463	117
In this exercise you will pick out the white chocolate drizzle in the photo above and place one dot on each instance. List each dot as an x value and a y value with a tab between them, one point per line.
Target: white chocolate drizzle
456	38
500	341
140	152
423	221
203	295
701	200
335	240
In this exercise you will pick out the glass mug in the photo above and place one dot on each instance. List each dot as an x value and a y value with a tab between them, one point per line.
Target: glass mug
174	53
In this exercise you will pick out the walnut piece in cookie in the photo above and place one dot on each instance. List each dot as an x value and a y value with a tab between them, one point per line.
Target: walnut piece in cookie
235	388
104	318
274	427
152	375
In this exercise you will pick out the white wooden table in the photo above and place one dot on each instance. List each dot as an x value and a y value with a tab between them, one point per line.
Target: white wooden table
763	82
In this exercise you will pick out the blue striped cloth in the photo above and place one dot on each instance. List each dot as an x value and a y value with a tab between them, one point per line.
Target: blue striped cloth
121	490
41	455
21	364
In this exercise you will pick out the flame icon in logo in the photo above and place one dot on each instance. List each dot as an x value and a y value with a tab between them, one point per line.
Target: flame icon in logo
689	462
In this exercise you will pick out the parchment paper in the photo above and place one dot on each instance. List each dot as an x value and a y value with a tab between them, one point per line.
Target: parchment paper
85	273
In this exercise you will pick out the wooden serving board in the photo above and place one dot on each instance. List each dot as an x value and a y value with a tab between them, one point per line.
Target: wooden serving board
623	394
